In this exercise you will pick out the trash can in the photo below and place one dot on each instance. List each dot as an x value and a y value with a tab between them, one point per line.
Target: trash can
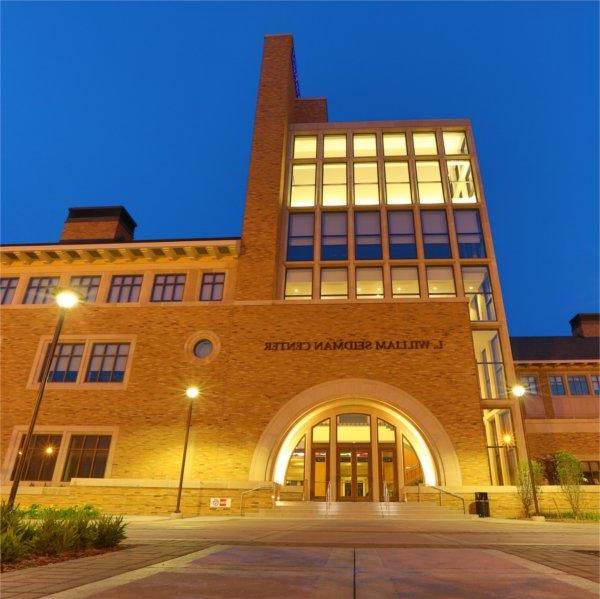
482	504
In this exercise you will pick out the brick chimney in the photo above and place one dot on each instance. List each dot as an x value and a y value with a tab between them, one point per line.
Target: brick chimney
98	223
585	325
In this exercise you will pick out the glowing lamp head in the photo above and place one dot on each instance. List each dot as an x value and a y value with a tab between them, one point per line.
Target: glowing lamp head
192	392
49	450
518	390
508	439
67	299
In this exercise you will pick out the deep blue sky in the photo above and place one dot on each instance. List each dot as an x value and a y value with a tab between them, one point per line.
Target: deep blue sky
151	105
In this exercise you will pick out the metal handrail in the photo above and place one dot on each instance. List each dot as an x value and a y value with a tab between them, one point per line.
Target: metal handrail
270	486
328	497
449	493
386	497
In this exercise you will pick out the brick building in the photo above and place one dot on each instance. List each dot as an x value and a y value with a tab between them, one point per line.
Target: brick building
352	344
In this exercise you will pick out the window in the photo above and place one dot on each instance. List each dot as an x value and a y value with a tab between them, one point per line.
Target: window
490	367
367	236
168	288
455	142
440	281
557	385
65	363
436	242
40	459
320	432
305	146
369	282
366	184
334	283
425	144
334	185
394	144
301	236
86	457
365	144
294	476
530	383
108	363
501	448
397	183
40	289
590	470
595	384
468	233
334	146
353	428
87	287
478	290
303	185
211	289
429	183
460	179
578	385
7	289
334	236
125	289
298	283
386	432
401	231
203	348
405	282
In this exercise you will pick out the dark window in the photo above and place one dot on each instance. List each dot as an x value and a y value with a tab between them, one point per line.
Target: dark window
40	459
168	288
86	457
7	289
557	385
334	236
108	363
65	363
436	243
212	286
578	385
125	289
468	233
478	290
87	287
39	290
591	472
595	384
367	236
530	383
301	236
401	229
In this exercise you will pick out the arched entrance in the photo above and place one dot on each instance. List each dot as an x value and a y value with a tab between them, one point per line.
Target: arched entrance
358	437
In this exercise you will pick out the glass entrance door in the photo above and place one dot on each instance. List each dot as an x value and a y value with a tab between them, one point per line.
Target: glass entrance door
354	474
388	473
320	473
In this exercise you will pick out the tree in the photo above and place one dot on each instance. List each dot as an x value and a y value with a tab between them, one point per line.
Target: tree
524	484
570	479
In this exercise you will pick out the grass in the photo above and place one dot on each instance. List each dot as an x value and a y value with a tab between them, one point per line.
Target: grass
48	531
583	516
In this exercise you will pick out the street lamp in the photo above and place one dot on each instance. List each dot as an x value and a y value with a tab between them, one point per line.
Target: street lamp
519	391
191	393
65	299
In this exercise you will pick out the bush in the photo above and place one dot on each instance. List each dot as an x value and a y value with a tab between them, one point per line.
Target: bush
110	531
591	516
570	479
524	484
53	531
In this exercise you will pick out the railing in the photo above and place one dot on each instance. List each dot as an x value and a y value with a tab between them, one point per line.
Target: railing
328	498
386	498
273	488
440	495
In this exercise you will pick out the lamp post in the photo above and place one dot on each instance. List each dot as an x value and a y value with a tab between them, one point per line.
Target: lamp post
65	299
191	393
519	391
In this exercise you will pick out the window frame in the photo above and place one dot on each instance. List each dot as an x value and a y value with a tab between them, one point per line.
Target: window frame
6	291
47	290
85	290
213	285
291	237
130	287
561	378
176	284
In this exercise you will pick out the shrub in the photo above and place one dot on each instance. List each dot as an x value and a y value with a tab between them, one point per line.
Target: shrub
570	479
13	547
37	511
525	486
110	531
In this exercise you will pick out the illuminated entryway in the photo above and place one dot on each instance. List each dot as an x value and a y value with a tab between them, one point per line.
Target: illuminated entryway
355	453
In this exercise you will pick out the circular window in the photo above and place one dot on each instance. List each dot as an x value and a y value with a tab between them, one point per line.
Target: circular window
203	348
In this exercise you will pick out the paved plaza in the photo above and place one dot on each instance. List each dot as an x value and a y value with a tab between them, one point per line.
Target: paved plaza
321	558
